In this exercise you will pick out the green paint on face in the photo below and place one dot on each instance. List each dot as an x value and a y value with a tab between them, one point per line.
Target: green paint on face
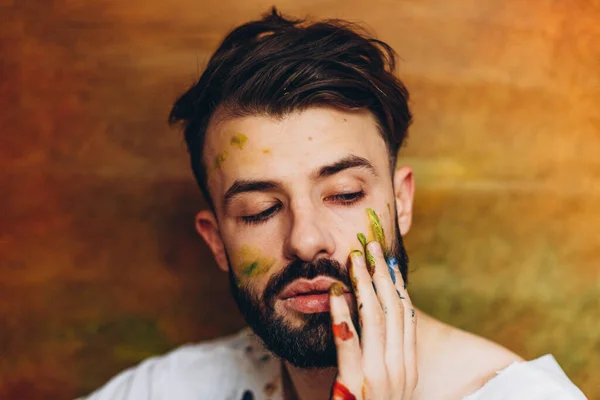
221	157
370	263
239	140
250	268
377	228
363	240
389	208
252	263
255	268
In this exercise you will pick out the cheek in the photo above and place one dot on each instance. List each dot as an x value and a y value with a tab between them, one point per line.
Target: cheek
352	222
374	226
251	263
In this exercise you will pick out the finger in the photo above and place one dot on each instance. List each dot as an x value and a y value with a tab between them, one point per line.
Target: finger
349	355
382	278
394	318
410	331
341	392
372	322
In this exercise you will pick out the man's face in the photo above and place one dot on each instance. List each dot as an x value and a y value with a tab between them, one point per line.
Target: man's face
290	197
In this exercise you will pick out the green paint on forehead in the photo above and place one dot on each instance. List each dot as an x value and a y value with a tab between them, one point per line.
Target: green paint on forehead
239	140
221	157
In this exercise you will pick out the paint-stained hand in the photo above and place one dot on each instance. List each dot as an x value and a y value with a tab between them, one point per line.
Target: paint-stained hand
382	364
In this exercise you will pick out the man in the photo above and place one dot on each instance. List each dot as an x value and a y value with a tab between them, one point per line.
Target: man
293	131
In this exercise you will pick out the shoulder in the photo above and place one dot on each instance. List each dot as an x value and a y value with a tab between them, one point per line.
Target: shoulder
214	369
461	362
539	379
464	365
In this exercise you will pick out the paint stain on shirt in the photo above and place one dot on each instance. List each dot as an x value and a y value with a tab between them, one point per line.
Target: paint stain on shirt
248	395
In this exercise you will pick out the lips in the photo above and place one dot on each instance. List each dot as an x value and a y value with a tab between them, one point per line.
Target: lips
303	287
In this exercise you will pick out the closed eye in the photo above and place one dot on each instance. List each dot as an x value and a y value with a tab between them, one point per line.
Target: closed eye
262	216
347	199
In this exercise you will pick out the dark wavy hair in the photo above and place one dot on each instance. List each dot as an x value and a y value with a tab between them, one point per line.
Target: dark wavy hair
276	65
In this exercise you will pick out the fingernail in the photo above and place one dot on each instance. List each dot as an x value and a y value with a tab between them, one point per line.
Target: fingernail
376	226
336	289
392	264
362	239
355	253
391	269
370	263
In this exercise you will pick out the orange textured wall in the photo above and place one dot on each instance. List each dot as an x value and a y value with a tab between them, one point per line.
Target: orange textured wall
100	266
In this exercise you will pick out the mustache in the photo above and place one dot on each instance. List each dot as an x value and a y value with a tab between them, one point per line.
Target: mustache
298	269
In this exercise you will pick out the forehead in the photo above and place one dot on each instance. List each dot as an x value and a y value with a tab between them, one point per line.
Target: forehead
263	147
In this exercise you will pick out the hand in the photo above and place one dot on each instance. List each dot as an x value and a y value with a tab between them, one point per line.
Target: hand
382	364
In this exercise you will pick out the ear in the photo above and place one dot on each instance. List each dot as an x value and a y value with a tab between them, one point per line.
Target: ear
208	228
404	190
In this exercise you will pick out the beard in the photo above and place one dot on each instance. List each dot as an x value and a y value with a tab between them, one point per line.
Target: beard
311	344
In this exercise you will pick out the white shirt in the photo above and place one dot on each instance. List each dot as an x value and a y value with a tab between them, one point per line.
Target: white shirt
231	367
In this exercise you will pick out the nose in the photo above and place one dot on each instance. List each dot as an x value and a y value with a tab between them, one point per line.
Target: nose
309	237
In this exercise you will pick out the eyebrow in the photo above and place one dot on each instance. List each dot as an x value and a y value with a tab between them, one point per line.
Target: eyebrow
249	185
350	161
240	186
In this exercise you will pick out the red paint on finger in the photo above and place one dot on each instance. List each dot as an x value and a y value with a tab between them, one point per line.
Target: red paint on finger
341	392
342	331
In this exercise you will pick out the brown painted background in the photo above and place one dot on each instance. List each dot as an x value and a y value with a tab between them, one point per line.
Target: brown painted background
100	266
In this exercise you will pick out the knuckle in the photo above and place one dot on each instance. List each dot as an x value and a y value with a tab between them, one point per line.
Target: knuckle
396	372
401	310
379	317
376	318
375	377
412	378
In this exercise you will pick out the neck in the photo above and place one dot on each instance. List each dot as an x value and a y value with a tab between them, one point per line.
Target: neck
305	384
